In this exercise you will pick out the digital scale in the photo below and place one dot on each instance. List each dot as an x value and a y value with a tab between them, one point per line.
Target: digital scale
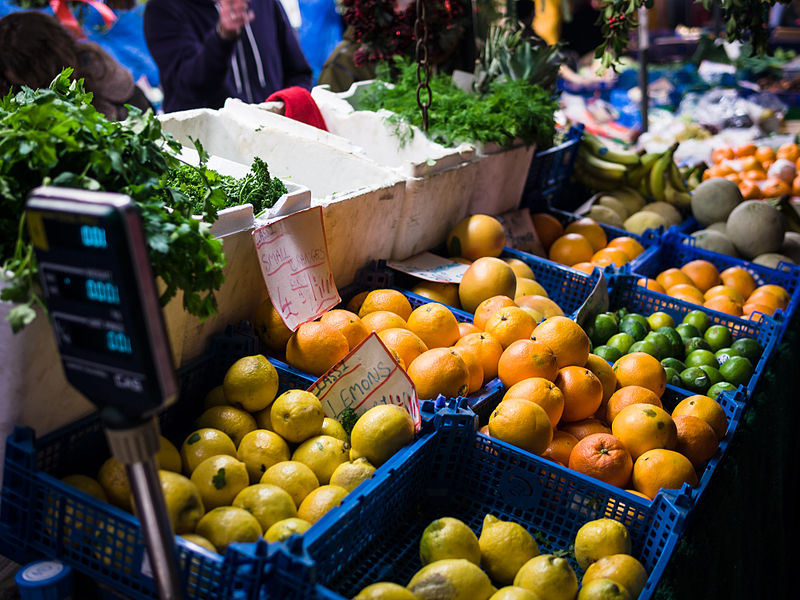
103	305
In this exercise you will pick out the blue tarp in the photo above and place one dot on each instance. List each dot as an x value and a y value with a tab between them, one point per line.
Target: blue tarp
319	32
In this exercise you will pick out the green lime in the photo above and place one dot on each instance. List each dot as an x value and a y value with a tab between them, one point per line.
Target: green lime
660	319
701	357
674	363
724	354
673	376
718	336
687	331
638	318
695	380
699	319
695	343
749	348
621	313
613	316
603	328
714	376
661	342
674	339
737	370
620	341
608	353
716	389
645	346
633	328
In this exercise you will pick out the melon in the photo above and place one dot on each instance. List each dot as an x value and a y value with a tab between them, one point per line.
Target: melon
714	199
666	210
708	239
755	228
606	216
720	226
791	246
630	198
639	222
772	260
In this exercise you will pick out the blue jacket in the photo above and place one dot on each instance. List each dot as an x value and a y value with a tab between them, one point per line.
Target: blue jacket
200	69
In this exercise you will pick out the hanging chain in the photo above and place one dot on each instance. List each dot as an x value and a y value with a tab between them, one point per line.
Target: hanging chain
423	66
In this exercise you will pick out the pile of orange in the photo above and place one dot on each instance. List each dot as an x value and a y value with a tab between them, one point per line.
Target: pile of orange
583	244
748	167
734	291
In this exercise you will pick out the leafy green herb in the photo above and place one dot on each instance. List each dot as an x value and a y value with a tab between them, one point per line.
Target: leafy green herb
218	480
348	419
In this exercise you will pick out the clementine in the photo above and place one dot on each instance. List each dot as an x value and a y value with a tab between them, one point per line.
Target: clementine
638	368
435	325
603	457
385	299
439	371
488	350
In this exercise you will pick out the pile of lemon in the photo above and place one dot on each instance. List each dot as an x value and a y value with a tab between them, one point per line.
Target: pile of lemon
458	565
259	465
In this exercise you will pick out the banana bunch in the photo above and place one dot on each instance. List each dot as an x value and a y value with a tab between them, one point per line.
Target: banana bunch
653	174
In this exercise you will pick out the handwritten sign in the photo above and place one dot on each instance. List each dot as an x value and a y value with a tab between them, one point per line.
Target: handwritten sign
520	232
430	267
293	256
596	303
366	377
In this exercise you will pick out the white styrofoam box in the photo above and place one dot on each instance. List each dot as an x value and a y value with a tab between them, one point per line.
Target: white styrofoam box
500	179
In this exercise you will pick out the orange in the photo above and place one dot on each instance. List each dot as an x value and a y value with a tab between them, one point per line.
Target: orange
789	151
638	368
725	168
542	392
446	293
589	229
488	350
580	429
671	277
348	323
565	338
651	284
610	256
734	177
628	245
750	190
630	394
751	310
385	299
724	304
520	268
488	307
796	185
705	408
405	343
526	358
765	298
642	427
720	154
686	291
484	278
703	274
739	279
601	368
724	290
510	324
466	328
773	187
484	430
521	423
548	228
474	368
765	153
270	328
570	249
315	347
547	307
697	440
750	163
439	371
584	267
603	457
748	149
783	296
560	447
583	392
753	175
435	325
383	319
476	236
662	468
354	304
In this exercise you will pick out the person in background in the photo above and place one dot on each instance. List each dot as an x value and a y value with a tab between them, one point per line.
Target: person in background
208	51
35	47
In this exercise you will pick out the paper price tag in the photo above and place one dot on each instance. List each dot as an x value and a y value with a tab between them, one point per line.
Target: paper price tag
596	303
430	267
366	377
294	261
520	232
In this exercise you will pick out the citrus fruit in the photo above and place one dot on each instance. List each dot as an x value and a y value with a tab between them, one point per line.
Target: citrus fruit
504	547
705	408
662	344
319	502
672	277
488	350
580	429
322	454
113	478
225	525
603	589
520	268
348	323
687	331
282	530
270	328
673	376
627	395
204	443
622	569
548	228
407	344
446	293
602	456
589	229
699	319
484	278
600	367
545	306
510	324
435	325
675	341
267	503
695	343
168	458
315	347
232	421
439	371
542	392
700	357
333	428
465	329
621	342
216	397
560	447
739	279
662	468
451	578
697	440
660	319
583	392
513	592
686	292
293	476
641	369
385	300
549	577
598	538
704	275
488	307
183	502
297	415
674	363
219	479
695	380
610	256
200	541
528	287
383	319
448	538
524	359
749	348
259	450
646	347
602	329
476	236
522	424
643	427
565	338
737	370
86	484
352	473
354	304
650	284
474	368
570	249
713	374
608	353
380	432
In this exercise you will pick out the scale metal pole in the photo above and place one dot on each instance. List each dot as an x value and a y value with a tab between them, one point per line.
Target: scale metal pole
644	44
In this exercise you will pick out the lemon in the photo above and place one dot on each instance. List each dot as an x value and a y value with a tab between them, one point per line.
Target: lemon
599	538
296	415
263	419
231	420
114	481
286	528
267	503
87	485
202	444
505	547
451	579
183	501
380	432
200	541
259	450
549	577
216	397
603	589
251	382
319	502
228	524
383	590
349	474
512	592
448	538
621	568
219	479
333	428
168	457
322	454
294	477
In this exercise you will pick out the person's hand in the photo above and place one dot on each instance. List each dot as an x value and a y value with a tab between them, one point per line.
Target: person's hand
233	16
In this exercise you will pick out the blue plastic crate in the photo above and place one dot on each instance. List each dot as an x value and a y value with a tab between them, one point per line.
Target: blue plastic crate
40	516
452	471
550	171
